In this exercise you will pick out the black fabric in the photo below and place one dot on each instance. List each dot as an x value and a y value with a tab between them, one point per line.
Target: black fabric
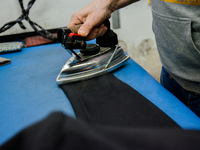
59	132
106	100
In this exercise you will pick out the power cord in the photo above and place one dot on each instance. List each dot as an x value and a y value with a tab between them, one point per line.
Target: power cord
25	12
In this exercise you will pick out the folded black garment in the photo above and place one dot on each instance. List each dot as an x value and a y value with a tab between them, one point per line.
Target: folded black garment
106	100
60	132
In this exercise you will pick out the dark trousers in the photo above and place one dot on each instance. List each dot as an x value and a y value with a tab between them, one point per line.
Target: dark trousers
190	100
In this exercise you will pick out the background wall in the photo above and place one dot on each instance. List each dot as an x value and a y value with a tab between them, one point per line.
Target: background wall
137	38
135	32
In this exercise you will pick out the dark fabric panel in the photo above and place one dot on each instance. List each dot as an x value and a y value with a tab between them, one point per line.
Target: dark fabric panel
60	132
106	100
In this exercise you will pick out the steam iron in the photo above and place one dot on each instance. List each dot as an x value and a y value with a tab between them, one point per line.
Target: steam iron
92	60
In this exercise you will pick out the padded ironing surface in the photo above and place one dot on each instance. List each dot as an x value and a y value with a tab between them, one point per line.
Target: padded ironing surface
29	91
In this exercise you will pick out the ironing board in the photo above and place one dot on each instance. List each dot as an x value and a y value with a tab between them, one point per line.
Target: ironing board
29	91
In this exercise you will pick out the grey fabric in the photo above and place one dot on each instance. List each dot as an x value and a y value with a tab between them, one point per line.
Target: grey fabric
177	31
7	47
4	61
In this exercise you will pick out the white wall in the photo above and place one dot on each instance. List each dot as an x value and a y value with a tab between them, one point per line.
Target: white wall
47	13
136	24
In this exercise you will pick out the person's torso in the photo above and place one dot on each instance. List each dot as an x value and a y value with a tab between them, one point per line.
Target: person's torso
176	24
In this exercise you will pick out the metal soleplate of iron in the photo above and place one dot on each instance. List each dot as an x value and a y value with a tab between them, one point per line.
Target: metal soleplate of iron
106	61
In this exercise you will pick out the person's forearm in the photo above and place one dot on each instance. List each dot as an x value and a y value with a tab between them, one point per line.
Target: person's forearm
117	4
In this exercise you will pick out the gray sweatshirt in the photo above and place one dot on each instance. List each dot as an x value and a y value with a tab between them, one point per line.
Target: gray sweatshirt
177	30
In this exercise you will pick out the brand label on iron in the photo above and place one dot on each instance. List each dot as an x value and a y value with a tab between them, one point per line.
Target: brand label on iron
185	2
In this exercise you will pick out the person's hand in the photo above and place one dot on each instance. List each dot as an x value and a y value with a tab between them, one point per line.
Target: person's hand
92	17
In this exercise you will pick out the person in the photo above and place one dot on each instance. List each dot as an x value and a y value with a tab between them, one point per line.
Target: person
176	25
